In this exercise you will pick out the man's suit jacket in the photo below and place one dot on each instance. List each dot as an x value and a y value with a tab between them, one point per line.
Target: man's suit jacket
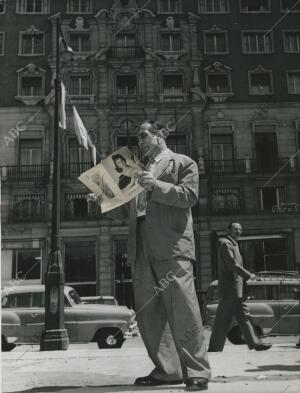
169	223
231	270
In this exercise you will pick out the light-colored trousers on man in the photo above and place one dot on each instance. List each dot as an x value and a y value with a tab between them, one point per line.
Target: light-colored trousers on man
168	315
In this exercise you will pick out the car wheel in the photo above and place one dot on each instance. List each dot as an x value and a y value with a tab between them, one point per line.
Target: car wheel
235	335
110	338
5	346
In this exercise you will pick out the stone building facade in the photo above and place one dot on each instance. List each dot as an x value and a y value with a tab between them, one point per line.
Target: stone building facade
223	71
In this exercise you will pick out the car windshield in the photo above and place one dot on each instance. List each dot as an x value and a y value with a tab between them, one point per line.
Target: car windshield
75	297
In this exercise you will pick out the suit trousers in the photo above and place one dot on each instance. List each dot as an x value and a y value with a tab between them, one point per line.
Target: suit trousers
228	308
168	315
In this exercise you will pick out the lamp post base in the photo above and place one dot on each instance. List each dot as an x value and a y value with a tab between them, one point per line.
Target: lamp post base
54	340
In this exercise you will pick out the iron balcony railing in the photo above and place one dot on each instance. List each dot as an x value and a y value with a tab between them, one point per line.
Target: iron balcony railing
25	172
71	170
225	166
125	51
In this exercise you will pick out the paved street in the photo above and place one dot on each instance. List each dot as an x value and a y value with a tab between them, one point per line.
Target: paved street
84	368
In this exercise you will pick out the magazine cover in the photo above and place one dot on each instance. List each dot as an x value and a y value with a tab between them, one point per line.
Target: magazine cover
114	181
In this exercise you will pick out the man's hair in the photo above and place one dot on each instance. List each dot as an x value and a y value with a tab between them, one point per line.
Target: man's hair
230	225
156	128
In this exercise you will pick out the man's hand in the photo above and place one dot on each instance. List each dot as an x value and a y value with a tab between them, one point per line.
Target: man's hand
253	277
146	180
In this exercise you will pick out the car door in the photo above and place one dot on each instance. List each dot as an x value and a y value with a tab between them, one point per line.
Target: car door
20	307
289	307
70	319
35	323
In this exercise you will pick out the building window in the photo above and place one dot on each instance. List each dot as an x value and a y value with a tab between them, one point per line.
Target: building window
80	42
169	6
226	200
291	41
255	6
213	6
33	6
80	267
30	152
269	197
216	42
77	206
125	40
290	6
27	264
126	85
32	43
170	42
172	85
222	151
293	80
79	6
80	85
178	143
266	150
29	207
257	42
2	6
261	82
218	83
2	42
31	86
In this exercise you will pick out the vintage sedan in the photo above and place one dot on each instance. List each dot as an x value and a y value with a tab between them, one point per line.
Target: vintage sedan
23	316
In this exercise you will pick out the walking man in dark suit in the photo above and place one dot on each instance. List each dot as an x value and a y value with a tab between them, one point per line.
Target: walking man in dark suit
161	249
232	275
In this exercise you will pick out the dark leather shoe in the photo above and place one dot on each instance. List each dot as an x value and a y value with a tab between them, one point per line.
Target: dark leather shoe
150	381
262	347
196	384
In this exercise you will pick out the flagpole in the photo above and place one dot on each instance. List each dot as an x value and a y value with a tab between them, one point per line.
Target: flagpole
55	336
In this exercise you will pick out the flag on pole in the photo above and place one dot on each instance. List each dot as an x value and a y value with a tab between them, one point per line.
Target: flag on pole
80	129
64	46
93	149
62	108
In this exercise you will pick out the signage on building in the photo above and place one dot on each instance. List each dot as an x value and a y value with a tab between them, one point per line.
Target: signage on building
286	208
20	244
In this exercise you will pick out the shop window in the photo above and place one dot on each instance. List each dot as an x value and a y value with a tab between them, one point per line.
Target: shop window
2	43
213	6
80	267
290	6
269	197
30	152
126	85
291	41
27	264
80	42
216	42
266	151
255	6
169	6
80	85
293	81
33	6
79	6
261	83
170	42
257	42
226	200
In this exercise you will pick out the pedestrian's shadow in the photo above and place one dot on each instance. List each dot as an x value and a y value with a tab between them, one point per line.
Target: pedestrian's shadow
277	367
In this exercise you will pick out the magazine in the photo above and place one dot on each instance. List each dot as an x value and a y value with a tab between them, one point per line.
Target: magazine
114	181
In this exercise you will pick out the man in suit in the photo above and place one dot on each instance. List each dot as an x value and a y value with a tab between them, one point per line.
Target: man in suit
232	277
161	248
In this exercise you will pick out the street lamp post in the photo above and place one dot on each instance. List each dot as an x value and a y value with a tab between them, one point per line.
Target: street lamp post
55	336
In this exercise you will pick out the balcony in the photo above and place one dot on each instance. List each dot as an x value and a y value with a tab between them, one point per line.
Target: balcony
28	208
72	170
25	172
124	52
252	166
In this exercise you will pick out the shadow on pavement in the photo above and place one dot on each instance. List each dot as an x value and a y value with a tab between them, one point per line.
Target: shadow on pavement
272	367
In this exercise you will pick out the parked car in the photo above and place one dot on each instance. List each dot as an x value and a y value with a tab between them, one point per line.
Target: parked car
274	303
23	316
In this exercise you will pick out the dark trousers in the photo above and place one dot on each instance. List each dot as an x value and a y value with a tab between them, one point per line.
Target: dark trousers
168	315
228	308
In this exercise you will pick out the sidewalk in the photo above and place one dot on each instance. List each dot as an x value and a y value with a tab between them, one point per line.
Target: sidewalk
84	368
